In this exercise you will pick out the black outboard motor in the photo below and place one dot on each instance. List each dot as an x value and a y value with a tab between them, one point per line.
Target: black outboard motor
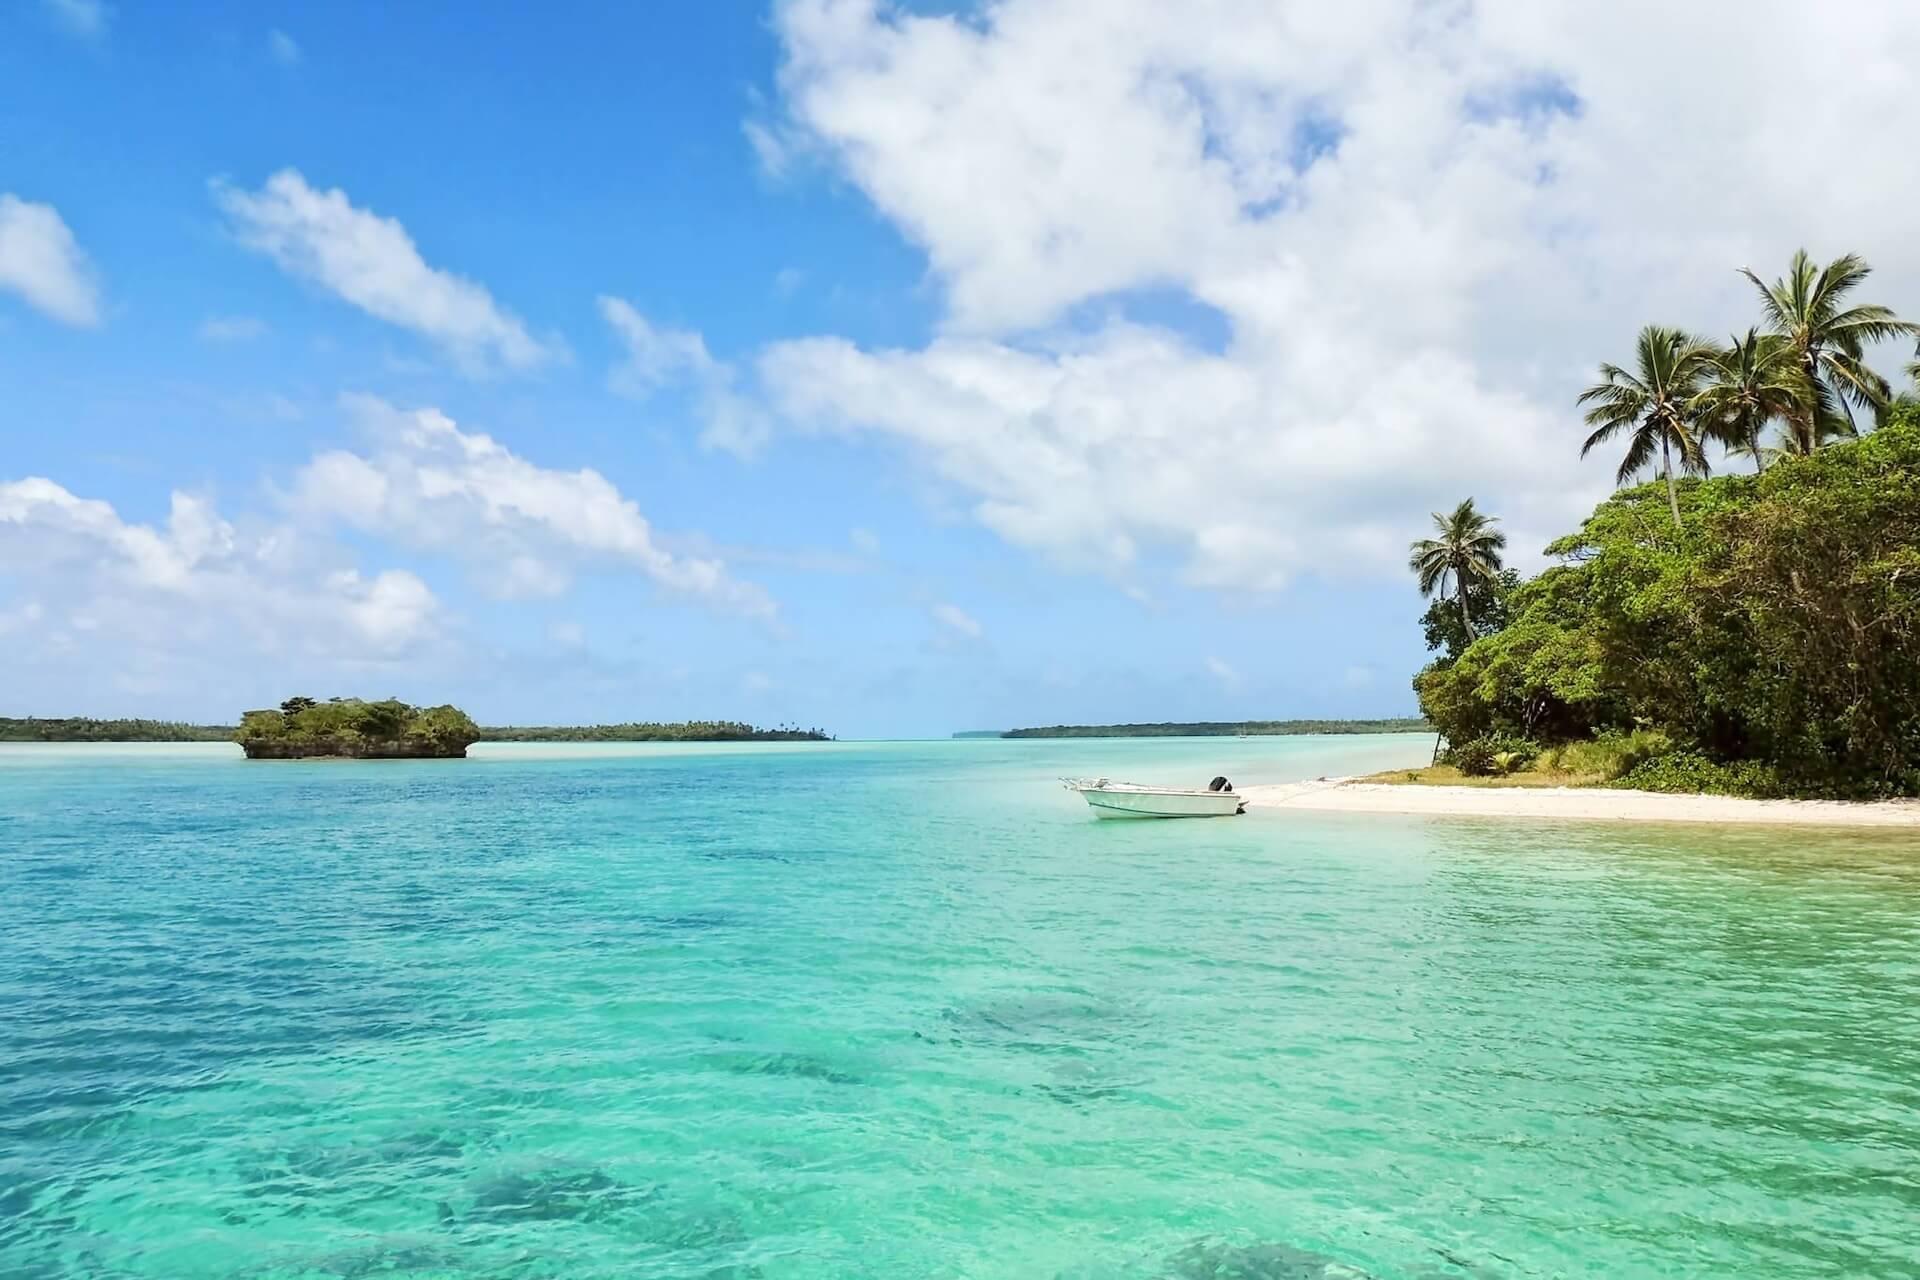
1220	784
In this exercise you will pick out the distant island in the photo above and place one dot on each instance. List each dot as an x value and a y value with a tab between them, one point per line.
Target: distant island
302	728
85	729
1221	728
305	728
690	731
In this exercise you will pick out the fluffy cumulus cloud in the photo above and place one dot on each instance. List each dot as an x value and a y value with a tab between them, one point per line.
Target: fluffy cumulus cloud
42	263
522	528
1259	283
370	261
195	584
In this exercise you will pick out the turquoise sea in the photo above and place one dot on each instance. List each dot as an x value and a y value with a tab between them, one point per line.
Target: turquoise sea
906	1010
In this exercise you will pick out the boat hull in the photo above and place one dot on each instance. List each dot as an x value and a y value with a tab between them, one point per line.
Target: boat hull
1122	802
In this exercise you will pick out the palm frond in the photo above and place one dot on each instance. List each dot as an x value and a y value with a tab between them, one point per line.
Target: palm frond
1640	451
1773	305
1605	428
1854	381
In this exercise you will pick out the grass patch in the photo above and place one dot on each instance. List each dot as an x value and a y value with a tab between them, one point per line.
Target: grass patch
1502	762
1445	775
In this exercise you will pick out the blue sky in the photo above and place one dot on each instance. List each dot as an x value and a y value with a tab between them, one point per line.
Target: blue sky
977	370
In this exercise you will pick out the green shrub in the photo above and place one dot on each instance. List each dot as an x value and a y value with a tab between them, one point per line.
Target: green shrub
1607	755
1493	754
1689	772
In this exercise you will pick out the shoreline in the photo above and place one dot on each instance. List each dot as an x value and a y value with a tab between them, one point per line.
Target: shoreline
1580	804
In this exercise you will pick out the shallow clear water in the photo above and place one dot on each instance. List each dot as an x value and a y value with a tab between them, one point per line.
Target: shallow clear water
905	1010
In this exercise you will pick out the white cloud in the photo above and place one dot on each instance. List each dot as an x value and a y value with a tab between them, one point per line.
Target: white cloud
372	262
523	528
1418	229
232	328
864	541
87	19
1222	671
283	48
658	358
655	357
42	262
197	582
957	620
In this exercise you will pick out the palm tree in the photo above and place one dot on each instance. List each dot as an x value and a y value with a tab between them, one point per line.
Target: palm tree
1762	454
1827	340
1748	384
1467	551
1653	405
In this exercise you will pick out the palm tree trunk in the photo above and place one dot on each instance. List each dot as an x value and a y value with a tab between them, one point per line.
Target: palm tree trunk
1666	468
1466	619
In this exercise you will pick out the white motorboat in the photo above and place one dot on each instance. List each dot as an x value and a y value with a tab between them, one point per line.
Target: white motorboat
1109	799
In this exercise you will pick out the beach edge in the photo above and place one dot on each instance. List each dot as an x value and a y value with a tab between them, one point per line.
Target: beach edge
1583	804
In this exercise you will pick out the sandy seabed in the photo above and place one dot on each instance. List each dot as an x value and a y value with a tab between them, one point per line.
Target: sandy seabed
1337	795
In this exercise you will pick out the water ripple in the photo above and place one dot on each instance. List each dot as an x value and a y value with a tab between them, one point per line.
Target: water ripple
905	1011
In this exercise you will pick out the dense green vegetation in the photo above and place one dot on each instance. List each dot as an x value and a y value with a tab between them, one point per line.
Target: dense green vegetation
690	731
1752	634
354	727
83	729
1222	728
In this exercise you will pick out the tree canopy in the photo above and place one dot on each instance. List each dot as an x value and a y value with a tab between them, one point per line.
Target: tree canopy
1778	621
301	726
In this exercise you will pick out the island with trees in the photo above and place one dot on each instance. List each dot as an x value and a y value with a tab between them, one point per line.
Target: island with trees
353	728
1750	634
87	729
1222	728
646	731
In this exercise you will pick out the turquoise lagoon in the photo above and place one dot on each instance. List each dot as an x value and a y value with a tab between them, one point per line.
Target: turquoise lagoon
906	1010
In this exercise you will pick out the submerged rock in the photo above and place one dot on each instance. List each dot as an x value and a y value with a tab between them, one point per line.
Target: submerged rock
794	1066
547	1195
1078	1083
1046	1023
1210	1260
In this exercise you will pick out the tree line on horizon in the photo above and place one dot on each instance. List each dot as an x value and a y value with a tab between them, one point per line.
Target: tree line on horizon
351	715
1748	633
88	729
1217	728
650	731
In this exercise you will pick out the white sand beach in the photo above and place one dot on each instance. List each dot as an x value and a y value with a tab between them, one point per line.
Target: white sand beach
1338	795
